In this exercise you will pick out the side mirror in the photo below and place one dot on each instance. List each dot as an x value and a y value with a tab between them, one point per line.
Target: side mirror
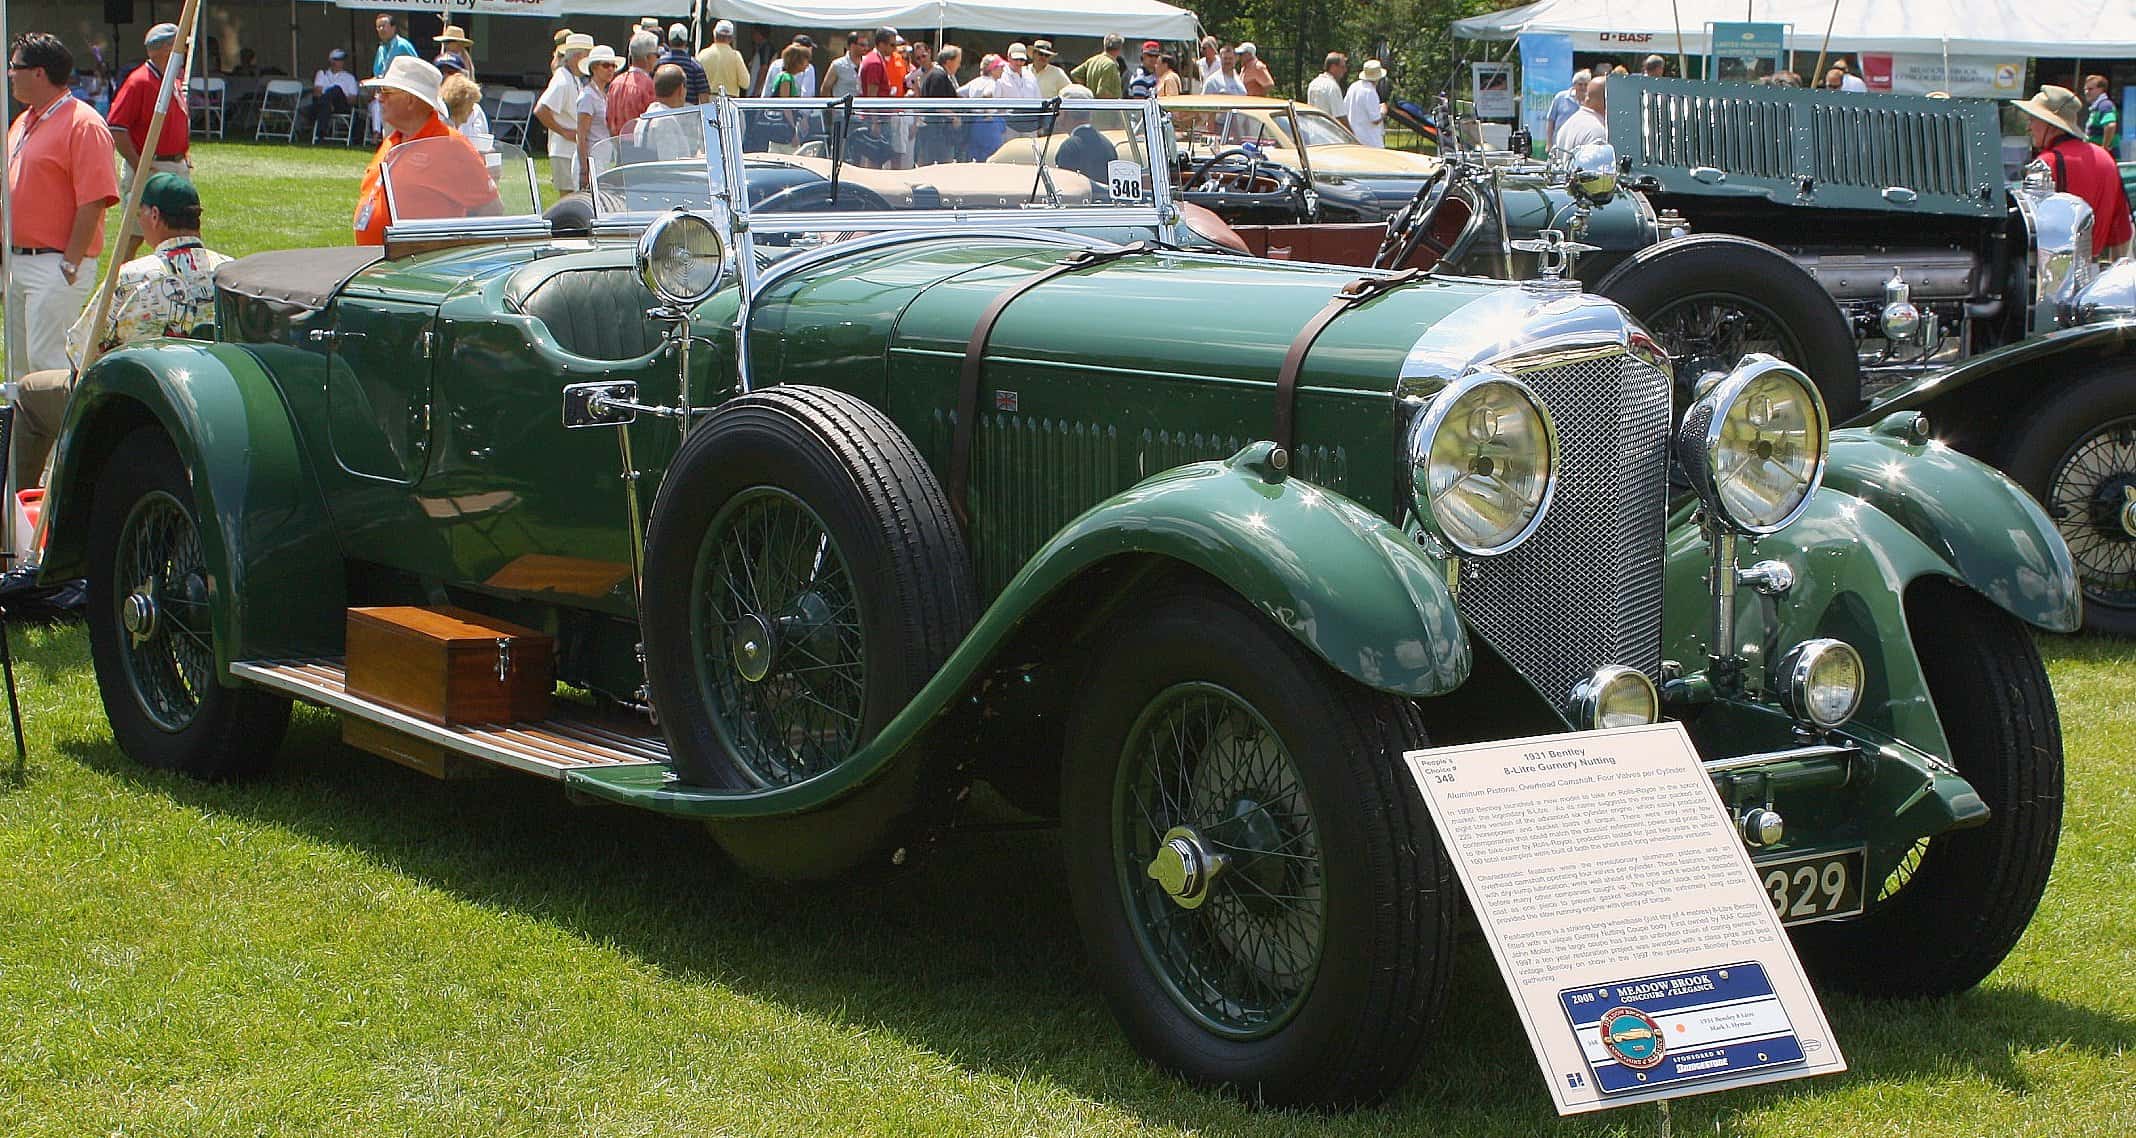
1594	172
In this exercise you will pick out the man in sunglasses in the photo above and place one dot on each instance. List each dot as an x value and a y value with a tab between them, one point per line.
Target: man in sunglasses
60	180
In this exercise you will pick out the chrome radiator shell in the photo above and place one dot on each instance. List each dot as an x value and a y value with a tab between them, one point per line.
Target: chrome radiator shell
1586	589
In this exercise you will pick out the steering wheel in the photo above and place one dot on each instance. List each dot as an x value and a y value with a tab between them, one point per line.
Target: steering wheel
1241	179
1410	226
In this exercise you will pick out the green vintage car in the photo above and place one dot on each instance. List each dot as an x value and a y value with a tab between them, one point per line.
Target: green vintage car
837	515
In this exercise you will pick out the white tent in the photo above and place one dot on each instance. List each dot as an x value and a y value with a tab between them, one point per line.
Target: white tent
2094	29
1134	18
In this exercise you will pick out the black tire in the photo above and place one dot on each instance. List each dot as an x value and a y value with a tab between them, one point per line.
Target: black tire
160	691
1355	1029
2075	451
1665	286
1958	904
883	603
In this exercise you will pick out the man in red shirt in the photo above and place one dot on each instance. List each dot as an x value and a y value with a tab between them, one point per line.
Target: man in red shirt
60	181
443	179
134	108
632	91
875	67
2079	167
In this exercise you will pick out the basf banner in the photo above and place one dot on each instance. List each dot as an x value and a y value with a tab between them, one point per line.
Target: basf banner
1545	69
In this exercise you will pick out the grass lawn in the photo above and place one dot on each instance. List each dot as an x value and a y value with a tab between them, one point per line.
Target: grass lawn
349	948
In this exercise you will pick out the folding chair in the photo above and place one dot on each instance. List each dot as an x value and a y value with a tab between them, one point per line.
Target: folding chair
278	110
204	102
514	111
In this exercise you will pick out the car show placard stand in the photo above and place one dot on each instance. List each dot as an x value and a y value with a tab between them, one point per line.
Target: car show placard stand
1642	953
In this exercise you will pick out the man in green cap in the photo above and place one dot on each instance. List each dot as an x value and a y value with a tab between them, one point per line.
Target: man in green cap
168	292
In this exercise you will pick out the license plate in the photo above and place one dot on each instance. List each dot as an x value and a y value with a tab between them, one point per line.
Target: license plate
1816	887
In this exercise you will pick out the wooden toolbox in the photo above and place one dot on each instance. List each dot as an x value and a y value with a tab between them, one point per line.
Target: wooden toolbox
449	665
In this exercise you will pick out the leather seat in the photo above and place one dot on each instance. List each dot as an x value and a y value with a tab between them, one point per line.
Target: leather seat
596	313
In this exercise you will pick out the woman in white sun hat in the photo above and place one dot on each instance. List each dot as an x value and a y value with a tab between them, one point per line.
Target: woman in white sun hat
599	66
452	181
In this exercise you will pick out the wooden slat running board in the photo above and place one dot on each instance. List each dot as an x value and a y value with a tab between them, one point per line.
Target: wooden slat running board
549	747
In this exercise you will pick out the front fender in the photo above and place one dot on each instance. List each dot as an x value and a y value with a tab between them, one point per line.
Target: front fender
1973	400
1330	572
275	575
1889	514
1988	532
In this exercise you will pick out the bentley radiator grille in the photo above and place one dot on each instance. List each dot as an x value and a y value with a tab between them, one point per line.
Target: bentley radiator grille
1586	589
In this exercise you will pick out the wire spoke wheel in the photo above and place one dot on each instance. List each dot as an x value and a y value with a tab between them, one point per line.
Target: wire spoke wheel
777	623
1205	782
163	610
1713	332
2092	497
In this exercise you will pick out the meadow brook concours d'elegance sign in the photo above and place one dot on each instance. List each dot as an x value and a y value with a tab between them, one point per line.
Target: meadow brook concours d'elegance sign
1641	950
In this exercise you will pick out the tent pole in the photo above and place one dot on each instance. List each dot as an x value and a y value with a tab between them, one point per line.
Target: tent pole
15	544
100	304
1682	71
1825	48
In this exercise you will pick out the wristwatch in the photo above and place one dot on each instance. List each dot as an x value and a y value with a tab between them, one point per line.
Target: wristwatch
70	268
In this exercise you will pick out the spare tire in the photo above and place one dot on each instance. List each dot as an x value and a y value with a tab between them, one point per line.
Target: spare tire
1713	297
804	578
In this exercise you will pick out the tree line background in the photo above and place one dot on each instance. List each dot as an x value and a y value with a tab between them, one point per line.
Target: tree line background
1412	37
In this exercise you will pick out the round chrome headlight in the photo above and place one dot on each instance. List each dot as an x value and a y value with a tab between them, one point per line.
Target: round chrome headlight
1615	696
1483	462
681	258
1753	444
1821	681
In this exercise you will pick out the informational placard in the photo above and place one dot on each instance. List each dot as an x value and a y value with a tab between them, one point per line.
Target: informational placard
1492	88
1639	944
1745	52
1545	70
1965	76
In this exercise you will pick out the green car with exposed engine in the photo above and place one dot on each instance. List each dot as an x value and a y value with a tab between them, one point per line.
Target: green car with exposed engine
835	515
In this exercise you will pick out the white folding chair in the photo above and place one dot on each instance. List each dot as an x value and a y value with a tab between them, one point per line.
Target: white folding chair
514	111
204	103
278	110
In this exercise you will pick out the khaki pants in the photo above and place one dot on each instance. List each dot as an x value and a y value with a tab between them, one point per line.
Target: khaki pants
45	307
40	407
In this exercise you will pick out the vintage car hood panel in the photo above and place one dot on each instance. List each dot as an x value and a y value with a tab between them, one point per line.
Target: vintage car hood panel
1361	160
1127	316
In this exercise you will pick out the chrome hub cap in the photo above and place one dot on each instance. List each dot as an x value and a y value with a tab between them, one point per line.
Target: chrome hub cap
1184	867
137	614
2128	510
753	648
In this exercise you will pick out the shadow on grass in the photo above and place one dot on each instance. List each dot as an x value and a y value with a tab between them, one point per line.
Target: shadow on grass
974	954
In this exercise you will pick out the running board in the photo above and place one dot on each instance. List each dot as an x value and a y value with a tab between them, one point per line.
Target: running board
551	747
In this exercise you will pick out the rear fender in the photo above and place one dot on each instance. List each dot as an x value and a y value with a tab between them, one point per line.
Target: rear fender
275	571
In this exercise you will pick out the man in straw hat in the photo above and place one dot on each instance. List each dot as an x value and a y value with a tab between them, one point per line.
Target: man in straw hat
450	179
1362	106
2078	167
557	110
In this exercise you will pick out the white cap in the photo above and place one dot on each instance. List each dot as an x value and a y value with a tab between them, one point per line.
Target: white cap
1017	51
723	28
416	77
1247	48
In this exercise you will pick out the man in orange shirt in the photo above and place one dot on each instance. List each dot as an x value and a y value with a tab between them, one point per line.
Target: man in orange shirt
60	182
443	179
